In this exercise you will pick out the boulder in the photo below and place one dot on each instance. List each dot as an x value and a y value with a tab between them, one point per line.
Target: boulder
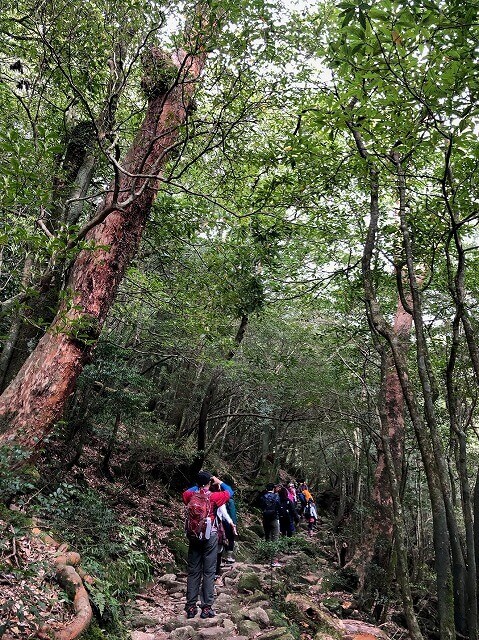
167	578
274	634
140	620
238	615
309	608
222	602
229	625
200	623
175	587
174	623
259	615
357	627
141	635
196	623
213	633
248	628
258	597
184	633
249	582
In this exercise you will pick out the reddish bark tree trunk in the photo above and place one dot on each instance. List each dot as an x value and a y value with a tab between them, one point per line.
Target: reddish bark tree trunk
393	399
36	398
379	526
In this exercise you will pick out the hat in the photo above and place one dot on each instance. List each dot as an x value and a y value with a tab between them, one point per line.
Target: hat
270	486
203	478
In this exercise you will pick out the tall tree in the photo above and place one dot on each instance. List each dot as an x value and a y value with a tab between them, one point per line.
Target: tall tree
37	396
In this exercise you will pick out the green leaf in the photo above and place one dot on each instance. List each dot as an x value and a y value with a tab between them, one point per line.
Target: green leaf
362	19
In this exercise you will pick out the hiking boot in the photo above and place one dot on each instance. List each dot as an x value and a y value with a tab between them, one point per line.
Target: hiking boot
207	612
229	557
191	612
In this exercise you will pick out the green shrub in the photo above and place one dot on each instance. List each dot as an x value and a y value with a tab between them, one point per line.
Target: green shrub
16	477
344	579
82	519
266	550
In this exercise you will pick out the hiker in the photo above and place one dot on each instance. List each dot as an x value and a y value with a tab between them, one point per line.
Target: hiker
288	516
201	505
305	491
270	512
230	530
301	500
311	515
223	520
292	492
269	509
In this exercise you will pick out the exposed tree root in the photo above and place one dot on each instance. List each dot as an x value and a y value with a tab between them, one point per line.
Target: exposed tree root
71	579
73	584
348	629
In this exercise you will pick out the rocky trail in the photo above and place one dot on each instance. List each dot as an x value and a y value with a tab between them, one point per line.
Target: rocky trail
253	600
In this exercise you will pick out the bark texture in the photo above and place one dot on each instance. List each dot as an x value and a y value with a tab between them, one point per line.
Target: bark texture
379	526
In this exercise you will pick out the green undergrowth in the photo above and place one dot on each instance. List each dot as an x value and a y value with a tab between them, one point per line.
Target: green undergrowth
266	551
178	545
16	477
111	550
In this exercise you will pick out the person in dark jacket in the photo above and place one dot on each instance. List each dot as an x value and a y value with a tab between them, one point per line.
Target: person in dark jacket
288	516
269	509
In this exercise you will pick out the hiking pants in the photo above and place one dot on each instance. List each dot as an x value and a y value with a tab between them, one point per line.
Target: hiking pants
230	536
286	527
271	529
201	571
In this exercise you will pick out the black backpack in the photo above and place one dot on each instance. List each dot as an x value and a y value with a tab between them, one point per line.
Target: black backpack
270	506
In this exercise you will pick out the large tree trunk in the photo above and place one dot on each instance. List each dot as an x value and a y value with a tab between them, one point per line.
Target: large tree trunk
429	393
379	327
400	532
458	421
36	398
379	526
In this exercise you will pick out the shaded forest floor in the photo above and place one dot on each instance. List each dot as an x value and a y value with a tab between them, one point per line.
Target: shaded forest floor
308	596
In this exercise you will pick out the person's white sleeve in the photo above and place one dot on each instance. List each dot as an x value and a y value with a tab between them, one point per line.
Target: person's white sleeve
223	514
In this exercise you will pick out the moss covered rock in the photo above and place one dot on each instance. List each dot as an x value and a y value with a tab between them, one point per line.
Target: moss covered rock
249	582
248	628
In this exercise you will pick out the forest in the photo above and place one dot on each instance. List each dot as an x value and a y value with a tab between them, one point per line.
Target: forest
241	235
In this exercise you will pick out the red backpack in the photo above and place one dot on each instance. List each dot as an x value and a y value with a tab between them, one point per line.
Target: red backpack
198	516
